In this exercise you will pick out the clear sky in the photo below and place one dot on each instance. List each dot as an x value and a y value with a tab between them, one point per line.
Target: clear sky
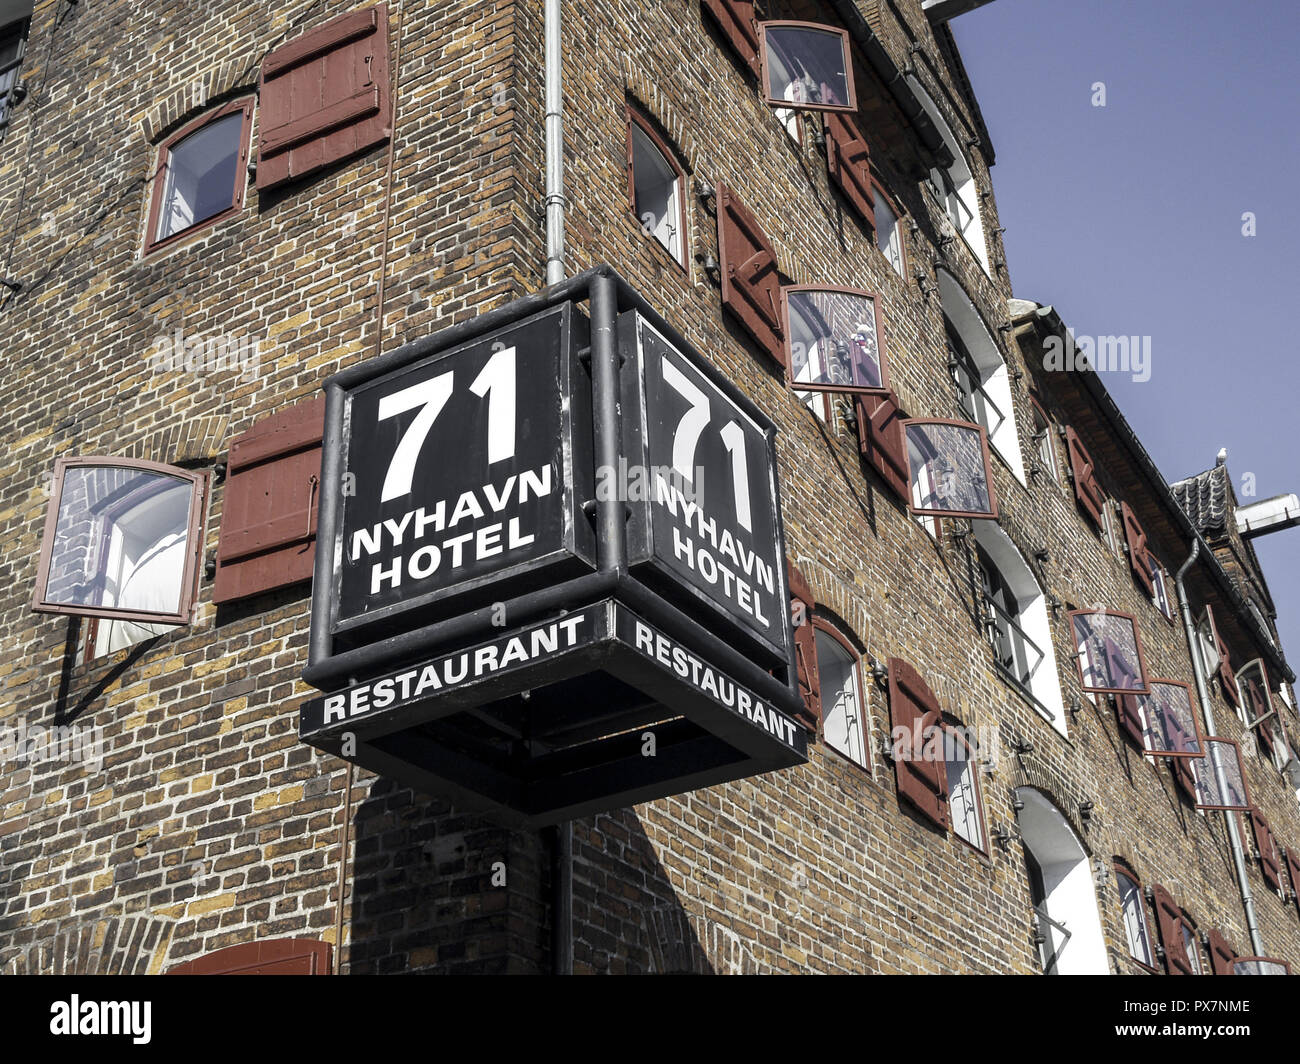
1128	217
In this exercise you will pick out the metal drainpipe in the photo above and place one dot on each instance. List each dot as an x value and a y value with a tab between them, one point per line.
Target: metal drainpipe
1198	672
554	203
562	853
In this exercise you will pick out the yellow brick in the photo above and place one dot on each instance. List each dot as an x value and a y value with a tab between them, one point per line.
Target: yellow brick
207	905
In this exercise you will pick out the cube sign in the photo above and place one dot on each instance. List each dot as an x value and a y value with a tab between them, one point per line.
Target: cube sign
704	531
461	475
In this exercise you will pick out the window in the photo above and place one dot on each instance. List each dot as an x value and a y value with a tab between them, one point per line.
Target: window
1260	966
13	43
1135	918
1219	778
1209	644
807	65
844	726
1160	588
980	373
1260	716
1163	722
954	187
122	540
1177	935
656	187
964	806
1043	437
201	174
889	230
949	468
834	339
1190	947
751	279
1016	622
1109	652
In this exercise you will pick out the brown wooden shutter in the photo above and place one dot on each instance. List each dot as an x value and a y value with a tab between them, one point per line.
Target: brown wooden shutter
1169	920
1185	776
922	774
1268	860
735	18
1222	955
849	163
280	956
1293	866
1138	558
1227	678
272	490
883	441
324	97
1129	713
751	282
802	604
1084	475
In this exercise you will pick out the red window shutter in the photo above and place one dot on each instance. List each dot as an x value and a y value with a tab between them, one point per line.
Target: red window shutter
1138	559
735	18
324	97
280	956
1268	860
921	770
1169	921
1222	955
1084	474
751	283
883	441
1227	678
802	604
1130	718
268	519
1185	776
849	163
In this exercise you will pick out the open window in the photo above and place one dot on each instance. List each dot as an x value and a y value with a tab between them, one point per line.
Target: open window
1136	929
889	227
1218	659
1260	714
1270	862
848	163
980	372
1222	955
834	340
14	20
806	66
844	713
1260	966
949	471
201	174
122	542
916	724
882	441
802	605
1016	622
1083	472
1046	448
1177	935
1162	722
1219	777
655	186
1136	541
965	804
1160	588
1108	652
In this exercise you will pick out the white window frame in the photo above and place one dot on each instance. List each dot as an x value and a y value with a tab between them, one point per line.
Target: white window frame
964	781
1133	911
645	145
828	638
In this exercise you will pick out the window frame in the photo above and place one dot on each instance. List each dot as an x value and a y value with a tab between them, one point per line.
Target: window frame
991	514
1123	869
634	116
1040	415
821	624
1267	960
1143	672
951	726
846	389
1160	579
878	188
1208	761
243	104
849	107
193	546
20	28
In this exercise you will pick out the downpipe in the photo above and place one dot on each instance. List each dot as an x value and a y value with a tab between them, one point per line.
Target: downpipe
1199	674
554	202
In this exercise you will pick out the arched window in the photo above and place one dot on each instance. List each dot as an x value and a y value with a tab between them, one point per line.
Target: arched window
1069	935
201	174
1136	929
1016	622
983	382
955	187
655	186
844	713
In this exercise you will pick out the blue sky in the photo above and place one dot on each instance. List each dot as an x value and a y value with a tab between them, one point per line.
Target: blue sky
1128	218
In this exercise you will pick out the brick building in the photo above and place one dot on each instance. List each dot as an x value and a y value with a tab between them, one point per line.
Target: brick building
208	208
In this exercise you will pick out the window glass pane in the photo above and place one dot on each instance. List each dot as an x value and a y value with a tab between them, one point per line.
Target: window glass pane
1259	967
202	171
1211	791
120	539
889	238
1170	720
843	727
948	469
1107	645
833	339
805	66
1189	945
1139	945
657	190
963	796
